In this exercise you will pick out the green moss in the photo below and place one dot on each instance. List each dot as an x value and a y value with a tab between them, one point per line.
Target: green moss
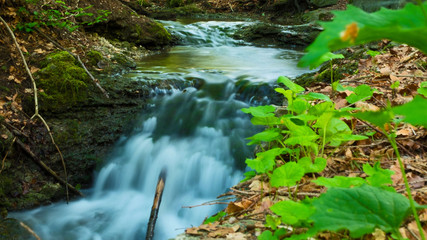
160	32
94	57
325	76
64	83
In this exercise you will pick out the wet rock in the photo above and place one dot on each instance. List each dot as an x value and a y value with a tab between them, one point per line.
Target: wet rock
372	6
264	34
323	3
125	24
12	229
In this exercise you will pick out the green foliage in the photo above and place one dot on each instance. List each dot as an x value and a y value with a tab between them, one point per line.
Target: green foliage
359	205
215	217
354	26
423	89
360	210
58	14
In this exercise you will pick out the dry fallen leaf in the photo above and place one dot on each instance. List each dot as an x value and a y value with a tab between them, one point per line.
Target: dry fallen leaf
4	136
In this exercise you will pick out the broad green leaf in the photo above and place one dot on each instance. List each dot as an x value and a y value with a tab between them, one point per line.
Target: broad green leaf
268	121
378	177
319	109
423	89
272	222
260	111
340	181
354	26
361	93
360	210
287	175
299	106
265	161
291	85
292	212
265	136
379	118
312	96
325	57
310	167
267	235
414	111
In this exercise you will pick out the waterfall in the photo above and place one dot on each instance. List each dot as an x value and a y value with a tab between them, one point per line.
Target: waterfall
196	135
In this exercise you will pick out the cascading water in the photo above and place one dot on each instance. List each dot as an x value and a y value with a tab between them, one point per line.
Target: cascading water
196	135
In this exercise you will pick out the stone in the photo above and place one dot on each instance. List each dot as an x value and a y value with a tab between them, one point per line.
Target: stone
323	3
124	24
372	6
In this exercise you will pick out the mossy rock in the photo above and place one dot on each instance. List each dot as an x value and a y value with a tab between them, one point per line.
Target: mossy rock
94	57
64	83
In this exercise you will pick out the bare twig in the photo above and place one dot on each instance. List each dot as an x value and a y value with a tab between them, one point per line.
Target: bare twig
36	111
77	57
31	231
384	134
45	167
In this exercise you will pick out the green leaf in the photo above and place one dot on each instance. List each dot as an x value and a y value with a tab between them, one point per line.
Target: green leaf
340	181
267	235
313	96
319	109
395	85
260	111
360	210
299	106
354	26
292	212
378	177
291	85
361	93
310	167
265	161
215	218
325	57
423	89
372	53
272	222
379	118
287	175
414	111
248	175
268	121
265	136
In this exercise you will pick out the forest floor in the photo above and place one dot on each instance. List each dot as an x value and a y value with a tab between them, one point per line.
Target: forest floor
246	216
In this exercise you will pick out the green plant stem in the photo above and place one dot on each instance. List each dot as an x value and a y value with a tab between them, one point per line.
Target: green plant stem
420	3
392	141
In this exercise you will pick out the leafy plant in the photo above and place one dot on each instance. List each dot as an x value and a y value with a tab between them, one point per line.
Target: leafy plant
59	14
356	204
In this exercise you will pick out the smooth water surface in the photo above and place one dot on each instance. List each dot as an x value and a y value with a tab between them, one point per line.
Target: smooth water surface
196	135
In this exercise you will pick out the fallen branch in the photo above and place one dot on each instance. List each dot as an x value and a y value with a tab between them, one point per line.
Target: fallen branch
27	149
36	110
31	231
77	57
156	205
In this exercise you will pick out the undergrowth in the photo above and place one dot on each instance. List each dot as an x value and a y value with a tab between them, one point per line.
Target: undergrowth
293	142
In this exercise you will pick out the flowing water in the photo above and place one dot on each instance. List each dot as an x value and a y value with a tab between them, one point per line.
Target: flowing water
196	135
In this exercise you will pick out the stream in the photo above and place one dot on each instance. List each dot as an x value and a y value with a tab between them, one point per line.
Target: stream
196	135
